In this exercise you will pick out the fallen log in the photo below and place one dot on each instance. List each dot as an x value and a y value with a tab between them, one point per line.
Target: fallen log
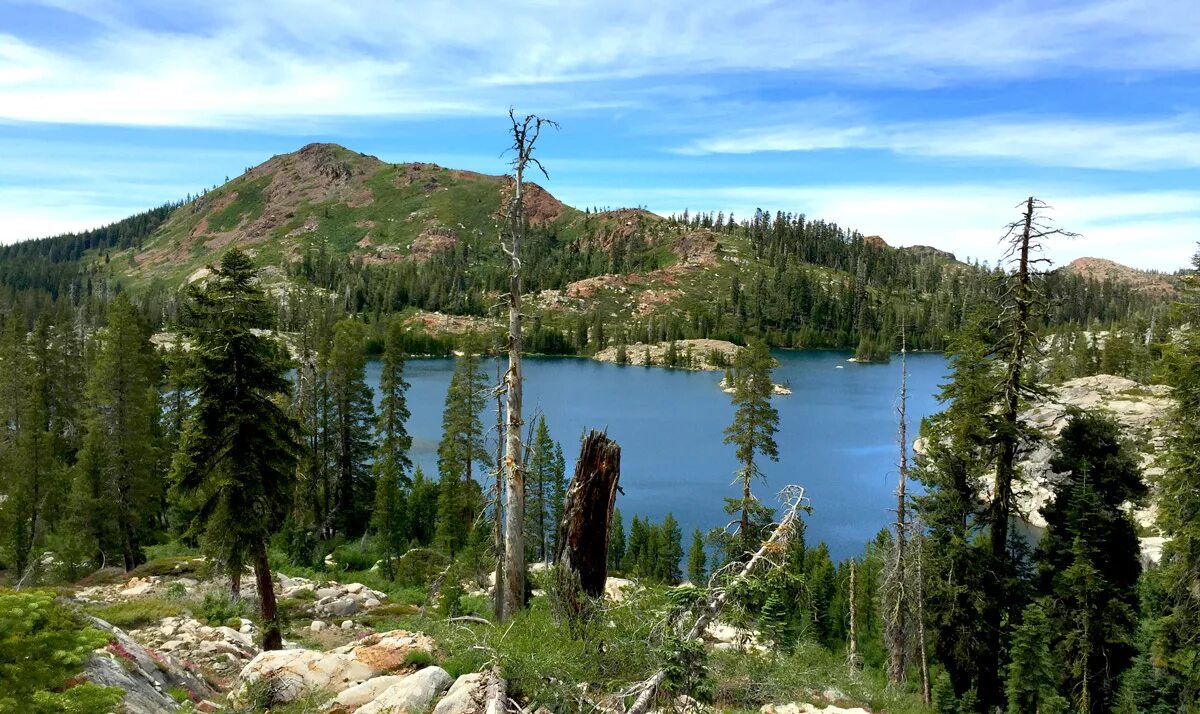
794	497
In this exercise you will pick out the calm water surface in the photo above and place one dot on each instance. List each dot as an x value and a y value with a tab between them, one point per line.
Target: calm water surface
837	433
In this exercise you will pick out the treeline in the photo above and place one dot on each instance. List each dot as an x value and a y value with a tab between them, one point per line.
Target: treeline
93	424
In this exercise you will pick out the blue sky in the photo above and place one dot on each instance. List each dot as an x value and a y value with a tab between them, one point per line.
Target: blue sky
924	123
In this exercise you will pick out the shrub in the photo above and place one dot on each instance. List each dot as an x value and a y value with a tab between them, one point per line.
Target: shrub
354	558
133	614
173	565
42	645
218	608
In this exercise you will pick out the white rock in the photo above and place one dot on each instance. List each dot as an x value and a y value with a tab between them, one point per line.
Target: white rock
413	694
231	635
368	691
294	672
371	602
342	607
347	624
318	625
333	592
614	588
465	695
354	588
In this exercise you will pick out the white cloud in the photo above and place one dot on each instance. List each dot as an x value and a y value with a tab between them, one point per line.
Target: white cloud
239	64
1150	230
1075	143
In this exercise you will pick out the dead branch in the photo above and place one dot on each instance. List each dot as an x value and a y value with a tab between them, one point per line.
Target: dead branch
715	603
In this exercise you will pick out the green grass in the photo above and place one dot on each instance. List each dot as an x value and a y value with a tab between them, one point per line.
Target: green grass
134	614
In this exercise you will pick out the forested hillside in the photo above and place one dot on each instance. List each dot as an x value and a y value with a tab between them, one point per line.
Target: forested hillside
420	240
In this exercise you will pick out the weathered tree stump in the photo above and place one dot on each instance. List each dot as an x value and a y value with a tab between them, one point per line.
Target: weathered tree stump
587	512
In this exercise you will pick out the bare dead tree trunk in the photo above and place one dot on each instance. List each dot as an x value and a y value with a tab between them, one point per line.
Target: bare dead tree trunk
926	691
852	659
587	512
717	596
897	625
497	500
525	135
1018	345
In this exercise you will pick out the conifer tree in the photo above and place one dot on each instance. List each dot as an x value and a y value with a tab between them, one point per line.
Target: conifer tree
670	551
237	455
392	462
755	423
1089	560
539	483
422	508
461	447
1178	640
117	491
558	494
697	559
353	416
616	542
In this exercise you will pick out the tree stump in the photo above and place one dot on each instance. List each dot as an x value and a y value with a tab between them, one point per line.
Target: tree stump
587	512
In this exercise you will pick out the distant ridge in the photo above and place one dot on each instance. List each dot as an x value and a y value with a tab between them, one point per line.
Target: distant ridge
1144	281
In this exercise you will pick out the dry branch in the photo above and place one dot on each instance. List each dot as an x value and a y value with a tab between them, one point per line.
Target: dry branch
794	497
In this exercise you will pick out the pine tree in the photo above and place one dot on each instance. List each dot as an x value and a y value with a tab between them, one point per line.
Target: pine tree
539	484
422	508
459	496
117	491
237	456
635	550
755	423
558	494
1178	641
353	415
616	542
697	559
670	552
392	462
1089	560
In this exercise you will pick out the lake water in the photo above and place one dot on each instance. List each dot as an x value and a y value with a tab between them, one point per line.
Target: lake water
837	433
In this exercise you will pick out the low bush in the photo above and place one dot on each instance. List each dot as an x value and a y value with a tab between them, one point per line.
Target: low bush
133	614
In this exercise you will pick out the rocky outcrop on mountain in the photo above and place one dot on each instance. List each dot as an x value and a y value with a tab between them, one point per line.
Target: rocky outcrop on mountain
1145	282
1140	410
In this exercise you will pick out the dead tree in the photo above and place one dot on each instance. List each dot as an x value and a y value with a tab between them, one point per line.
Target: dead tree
896	587
497	495
852	659
587	512
1021	305
922	652
717	595
525	136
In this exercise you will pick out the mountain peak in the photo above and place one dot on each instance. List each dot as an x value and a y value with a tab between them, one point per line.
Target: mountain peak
1101	269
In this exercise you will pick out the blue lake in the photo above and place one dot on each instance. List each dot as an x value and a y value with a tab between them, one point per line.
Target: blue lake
837	433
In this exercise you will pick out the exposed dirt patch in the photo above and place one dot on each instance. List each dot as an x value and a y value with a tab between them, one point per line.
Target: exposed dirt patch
431	241
697	248
650	300
875	241
440	323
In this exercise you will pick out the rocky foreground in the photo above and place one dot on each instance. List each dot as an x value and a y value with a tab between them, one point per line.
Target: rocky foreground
181	662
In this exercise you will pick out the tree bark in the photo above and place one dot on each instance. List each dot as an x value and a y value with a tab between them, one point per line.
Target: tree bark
852	647
587	512
272	637
897	626
498	501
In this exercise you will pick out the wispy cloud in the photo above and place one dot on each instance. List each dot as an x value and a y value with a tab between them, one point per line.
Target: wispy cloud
242	64
1092	144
